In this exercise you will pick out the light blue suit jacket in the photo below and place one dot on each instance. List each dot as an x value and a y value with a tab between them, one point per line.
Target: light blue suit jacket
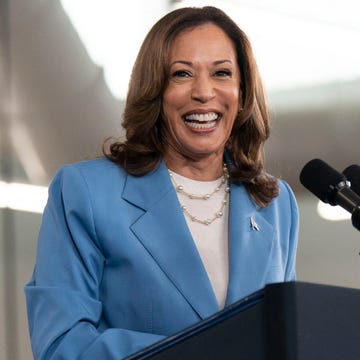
117	268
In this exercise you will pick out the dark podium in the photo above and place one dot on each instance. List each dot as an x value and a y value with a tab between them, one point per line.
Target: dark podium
284	321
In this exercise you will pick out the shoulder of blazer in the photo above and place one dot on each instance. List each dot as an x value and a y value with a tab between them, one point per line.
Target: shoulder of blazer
100	172
142	191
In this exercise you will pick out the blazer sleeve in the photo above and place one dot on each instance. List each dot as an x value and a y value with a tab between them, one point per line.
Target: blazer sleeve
63	304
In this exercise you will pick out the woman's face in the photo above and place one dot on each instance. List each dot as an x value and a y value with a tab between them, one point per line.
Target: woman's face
201	100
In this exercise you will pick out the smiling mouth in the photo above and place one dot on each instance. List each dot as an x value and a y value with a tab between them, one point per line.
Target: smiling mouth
202	121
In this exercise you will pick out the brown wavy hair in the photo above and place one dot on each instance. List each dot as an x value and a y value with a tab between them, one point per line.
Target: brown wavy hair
143	147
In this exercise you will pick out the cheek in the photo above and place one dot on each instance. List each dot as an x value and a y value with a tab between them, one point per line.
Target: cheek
233	105
176	95
230	96
234	95
170	112
169	103
173	102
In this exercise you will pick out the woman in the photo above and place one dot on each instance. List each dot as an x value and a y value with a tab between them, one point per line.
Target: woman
177	221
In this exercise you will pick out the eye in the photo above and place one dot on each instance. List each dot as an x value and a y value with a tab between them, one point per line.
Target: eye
181	74
223	73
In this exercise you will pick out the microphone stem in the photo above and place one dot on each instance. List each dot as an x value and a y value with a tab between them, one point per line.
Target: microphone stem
355	218
347	199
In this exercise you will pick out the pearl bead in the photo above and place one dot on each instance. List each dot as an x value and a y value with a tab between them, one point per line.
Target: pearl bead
223	184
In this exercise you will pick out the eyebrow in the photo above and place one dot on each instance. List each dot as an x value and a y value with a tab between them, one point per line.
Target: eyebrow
189	63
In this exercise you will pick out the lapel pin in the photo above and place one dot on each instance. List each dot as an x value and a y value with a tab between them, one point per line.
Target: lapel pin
253	224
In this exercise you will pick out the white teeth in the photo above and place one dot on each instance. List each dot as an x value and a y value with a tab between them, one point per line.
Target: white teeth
206	125
211	116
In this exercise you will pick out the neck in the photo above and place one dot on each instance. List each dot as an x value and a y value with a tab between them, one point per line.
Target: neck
202	169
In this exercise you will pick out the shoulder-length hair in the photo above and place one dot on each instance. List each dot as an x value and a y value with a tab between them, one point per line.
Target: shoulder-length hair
143	147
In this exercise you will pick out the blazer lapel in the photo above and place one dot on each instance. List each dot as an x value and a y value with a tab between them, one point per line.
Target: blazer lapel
250	245
163	231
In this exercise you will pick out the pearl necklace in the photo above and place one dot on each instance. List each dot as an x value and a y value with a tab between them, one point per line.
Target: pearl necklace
224	182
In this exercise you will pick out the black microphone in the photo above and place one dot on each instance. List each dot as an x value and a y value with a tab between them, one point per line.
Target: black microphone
331	187
352	174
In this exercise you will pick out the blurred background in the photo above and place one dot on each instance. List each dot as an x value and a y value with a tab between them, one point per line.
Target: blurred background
64	70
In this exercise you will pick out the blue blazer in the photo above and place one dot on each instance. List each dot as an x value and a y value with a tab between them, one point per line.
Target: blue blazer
117	268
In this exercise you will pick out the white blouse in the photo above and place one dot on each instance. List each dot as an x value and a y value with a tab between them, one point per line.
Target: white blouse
211	240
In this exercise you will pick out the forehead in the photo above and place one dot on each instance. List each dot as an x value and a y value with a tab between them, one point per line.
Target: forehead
202	39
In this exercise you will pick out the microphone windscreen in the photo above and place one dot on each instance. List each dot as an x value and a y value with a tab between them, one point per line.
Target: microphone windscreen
352	174
321	179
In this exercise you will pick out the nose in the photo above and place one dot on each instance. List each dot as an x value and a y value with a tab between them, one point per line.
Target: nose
202	89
